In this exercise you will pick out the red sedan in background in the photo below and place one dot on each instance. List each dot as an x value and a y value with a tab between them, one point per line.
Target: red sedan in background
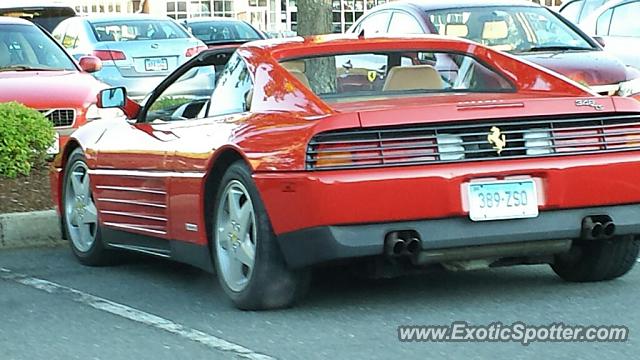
452	155
37	72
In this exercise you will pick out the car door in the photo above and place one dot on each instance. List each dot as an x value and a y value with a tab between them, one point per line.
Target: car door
150	174
130	178
194	141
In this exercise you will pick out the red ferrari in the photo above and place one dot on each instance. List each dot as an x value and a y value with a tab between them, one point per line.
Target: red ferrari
384	153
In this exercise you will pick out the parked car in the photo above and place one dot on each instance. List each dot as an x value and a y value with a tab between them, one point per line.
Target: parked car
522	28
617	26
463	157
37	72
47	14
137	51
577	10
219	31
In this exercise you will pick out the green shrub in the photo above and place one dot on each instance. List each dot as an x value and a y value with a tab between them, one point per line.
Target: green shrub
25	136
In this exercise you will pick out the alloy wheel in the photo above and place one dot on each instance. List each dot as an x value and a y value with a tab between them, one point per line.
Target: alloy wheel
236	236
81	214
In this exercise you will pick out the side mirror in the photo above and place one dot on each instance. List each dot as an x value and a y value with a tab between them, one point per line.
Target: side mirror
599	40
90	64
112	98
117	98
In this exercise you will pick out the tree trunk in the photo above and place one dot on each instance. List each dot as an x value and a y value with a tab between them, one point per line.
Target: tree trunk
314	18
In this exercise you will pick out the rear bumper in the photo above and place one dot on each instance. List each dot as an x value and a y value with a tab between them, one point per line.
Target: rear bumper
302	200
326	243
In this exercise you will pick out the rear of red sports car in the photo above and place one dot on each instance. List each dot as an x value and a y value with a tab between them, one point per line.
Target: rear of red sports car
459	160
401	153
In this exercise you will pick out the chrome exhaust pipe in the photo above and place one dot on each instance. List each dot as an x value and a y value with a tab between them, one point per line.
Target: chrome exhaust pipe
591	229
413	246
399	247
608	229
597	230
393	245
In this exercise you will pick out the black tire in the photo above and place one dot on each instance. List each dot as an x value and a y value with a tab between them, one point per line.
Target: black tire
598	260
97	254
272	284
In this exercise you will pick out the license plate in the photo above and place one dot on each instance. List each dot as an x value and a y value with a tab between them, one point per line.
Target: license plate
54	149
503	199
157	64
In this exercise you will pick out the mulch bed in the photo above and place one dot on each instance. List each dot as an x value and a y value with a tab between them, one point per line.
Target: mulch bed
26	193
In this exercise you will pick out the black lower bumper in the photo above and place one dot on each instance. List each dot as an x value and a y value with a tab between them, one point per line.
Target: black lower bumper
326	243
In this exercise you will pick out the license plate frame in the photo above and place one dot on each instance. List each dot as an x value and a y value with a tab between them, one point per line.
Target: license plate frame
516	199
156	64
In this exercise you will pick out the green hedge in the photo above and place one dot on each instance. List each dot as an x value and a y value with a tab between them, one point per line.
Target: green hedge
25	136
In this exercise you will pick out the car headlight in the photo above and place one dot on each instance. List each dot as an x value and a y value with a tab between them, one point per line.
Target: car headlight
96	113
629	88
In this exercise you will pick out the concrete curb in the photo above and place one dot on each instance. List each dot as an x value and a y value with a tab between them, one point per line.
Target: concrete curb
37	228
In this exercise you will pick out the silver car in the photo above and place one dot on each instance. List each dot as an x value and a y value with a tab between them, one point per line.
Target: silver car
137	51
616	25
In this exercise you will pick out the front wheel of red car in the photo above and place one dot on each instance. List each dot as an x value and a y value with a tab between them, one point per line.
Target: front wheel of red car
80	215
249	264
598	260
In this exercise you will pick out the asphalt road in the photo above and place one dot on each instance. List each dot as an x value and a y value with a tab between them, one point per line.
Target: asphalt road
152	309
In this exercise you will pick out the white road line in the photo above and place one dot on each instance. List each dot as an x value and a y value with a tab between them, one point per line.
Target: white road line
133	314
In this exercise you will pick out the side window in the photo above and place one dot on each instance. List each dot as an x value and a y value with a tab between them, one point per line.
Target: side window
603	23
624	22
403	23
71	35
58	32
234	89
186	98
376	23
572	11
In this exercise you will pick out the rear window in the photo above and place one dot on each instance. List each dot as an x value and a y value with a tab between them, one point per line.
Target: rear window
47	17
132	30
382	74
223	31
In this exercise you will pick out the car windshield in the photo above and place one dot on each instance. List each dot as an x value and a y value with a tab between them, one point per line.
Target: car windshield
513	29
223	31
25	47
348	77
130	30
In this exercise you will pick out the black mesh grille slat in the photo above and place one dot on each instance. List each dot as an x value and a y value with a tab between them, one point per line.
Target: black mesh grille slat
60	117
455	142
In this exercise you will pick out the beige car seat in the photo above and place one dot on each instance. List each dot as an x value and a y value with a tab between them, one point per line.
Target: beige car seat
418	77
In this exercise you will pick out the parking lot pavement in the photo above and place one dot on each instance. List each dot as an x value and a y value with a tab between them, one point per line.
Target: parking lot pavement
156	308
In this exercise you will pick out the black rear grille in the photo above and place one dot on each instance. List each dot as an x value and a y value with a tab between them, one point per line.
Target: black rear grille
60	117
423	144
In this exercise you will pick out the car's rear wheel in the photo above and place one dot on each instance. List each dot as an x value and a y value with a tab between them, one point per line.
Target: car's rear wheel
249	264
598	260
80	215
